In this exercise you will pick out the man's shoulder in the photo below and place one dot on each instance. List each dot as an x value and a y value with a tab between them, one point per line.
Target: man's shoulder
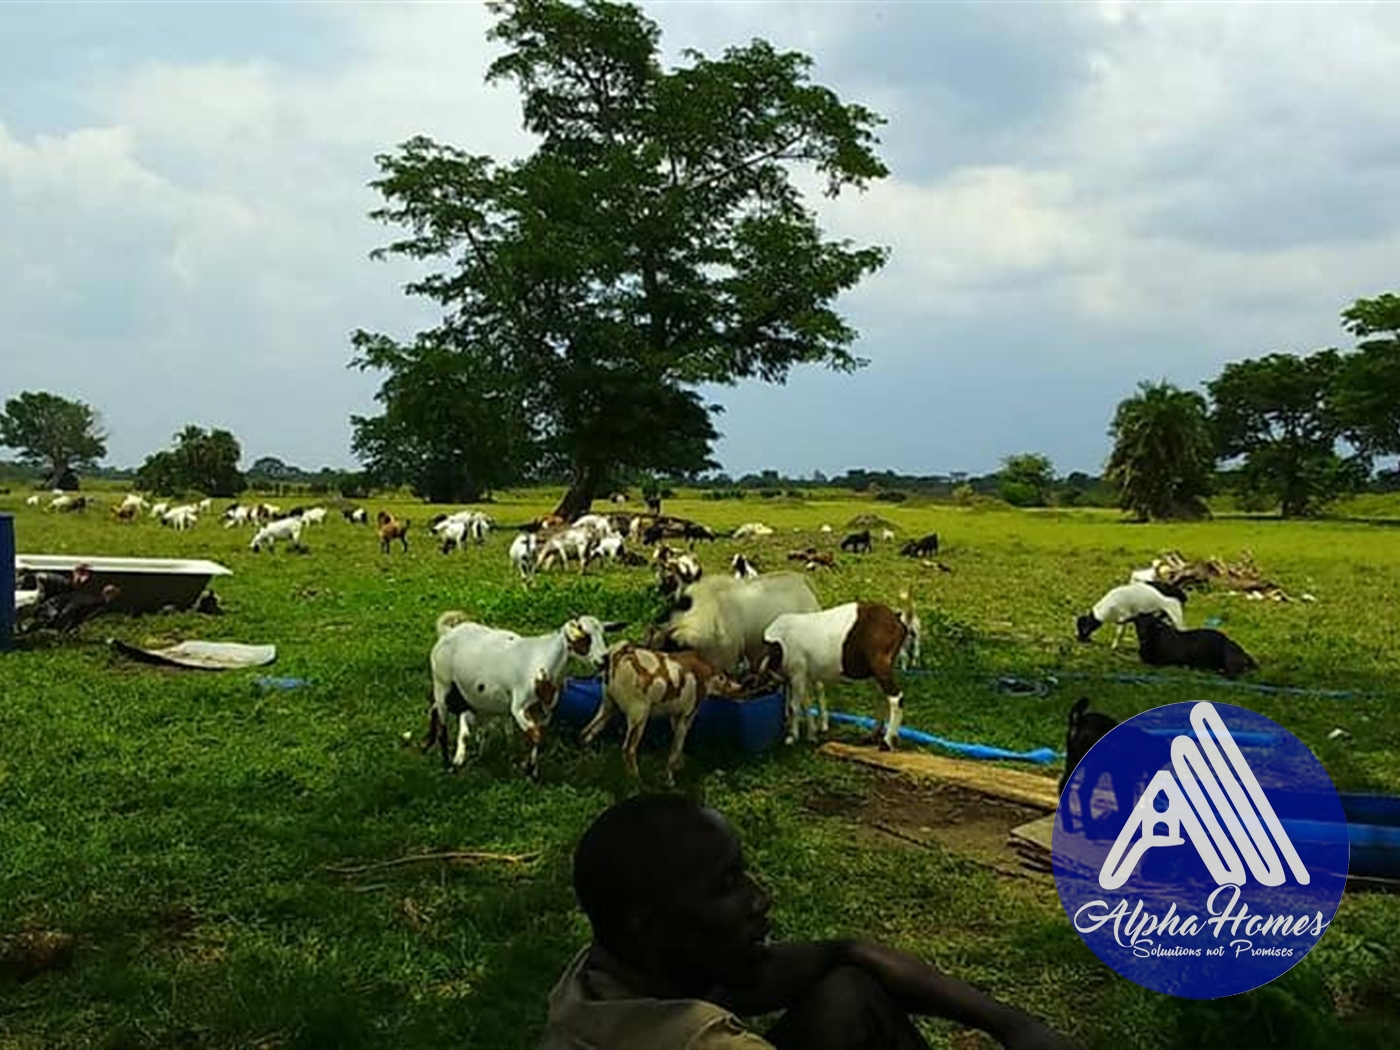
593	1007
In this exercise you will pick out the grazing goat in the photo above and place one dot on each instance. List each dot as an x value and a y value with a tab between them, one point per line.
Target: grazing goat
158	509
453	532
854	641
522	554
857	542
558	547
1121	604
354	515
1084	729
923	547
288	529
750	529
887	535
812	558
742	568
32	501
180	518
125	512
723	619
1162	645
314	515
484	671
390	529
675	571
645	684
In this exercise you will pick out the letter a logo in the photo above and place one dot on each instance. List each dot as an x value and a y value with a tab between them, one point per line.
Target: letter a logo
1226	871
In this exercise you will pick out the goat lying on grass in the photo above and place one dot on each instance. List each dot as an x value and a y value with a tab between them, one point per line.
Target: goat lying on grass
1162	645
645	684
854	641
484	671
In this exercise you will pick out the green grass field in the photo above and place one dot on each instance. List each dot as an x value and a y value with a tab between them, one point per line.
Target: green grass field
180	823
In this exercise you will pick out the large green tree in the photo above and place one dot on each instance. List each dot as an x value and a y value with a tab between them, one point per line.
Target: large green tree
1275	412
1366	392
1163	453
53	433
201	461
654	241
1025	479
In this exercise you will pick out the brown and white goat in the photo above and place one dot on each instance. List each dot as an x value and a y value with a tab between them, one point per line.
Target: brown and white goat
644	684
854	641
390	529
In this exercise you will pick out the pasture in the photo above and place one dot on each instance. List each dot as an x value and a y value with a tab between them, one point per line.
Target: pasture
180	824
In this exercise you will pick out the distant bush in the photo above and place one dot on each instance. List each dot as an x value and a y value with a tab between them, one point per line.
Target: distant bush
963	495
770	493
724	494
892	496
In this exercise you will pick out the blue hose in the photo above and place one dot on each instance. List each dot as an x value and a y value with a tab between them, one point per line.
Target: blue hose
1042	755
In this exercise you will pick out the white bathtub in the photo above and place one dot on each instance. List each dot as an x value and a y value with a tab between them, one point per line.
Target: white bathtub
147	584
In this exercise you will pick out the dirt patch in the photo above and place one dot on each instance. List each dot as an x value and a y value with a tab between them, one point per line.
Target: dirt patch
945	816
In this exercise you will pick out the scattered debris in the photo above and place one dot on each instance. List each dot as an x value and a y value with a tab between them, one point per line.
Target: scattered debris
202	656
1339	734
1242	576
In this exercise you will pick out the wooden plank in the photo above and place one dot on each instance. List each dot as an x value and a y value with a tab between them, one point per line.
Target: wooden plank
1035	835
1028	789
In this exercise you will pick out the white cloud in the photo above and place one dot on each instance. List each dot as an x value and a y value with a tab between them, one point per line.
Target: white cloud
1214	177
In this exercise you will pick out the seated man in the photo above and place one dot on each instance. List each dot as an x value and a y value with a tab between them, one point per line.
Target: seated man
680	948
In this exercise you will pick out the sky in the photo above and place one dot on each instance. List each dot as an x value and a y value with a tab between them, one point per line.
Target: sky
1082	196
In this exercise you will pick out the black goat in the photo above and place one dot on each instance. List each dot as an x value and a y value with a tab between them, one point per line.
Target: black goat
1084	729
857	541
922	547
1162	645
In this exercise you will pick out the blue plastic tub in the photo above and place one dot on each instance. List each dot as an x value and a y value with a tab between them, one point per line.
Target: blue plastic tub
753	726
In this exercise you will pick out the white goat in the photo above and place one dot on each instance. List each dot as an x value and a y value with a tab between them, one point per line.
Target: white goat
1124	602
289	529
237	515
32	501
484	671
558	548
158	509
887	535
742	568
854	641
723	619
522	554
180	518
1147	575
314	515
751	528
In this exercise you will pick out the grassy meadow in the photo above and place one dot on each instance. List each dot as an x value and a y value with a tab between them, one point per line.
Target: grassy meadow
180	823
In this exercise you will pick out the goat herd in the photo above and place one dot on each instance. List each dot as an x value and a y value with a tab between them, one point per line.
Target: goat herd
732	634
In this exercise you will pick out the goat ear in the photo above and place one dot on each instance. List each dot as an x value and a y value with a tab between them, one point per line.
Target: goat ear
613	626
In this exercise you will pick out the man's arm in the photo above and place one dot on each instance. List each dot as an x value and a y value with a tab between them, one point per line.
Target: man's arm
921	989
788	970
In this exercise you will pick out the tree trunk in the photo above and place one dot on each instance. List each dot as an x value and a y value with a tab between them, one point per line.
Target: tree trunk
578	501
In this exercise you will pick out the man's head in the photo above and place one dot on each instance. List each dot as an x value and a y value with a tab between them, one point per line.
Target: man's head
663	884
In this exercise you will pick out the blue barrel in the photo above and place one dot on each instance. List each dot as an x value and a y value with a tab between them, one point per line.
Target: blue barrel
753	726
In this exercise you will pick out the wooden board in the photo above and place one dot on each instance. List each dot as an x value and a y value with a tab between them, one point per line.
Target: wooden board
1028	789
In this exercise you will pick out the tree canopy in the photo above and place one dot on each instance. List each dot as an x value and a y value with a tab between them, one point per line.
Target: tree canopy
51	432
201	461
1026	479
1274	411
1365	400
654	241
1163	453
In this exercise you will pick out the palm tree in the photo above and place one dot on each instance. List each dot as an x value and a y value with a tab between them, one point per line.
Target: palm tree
1163	453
